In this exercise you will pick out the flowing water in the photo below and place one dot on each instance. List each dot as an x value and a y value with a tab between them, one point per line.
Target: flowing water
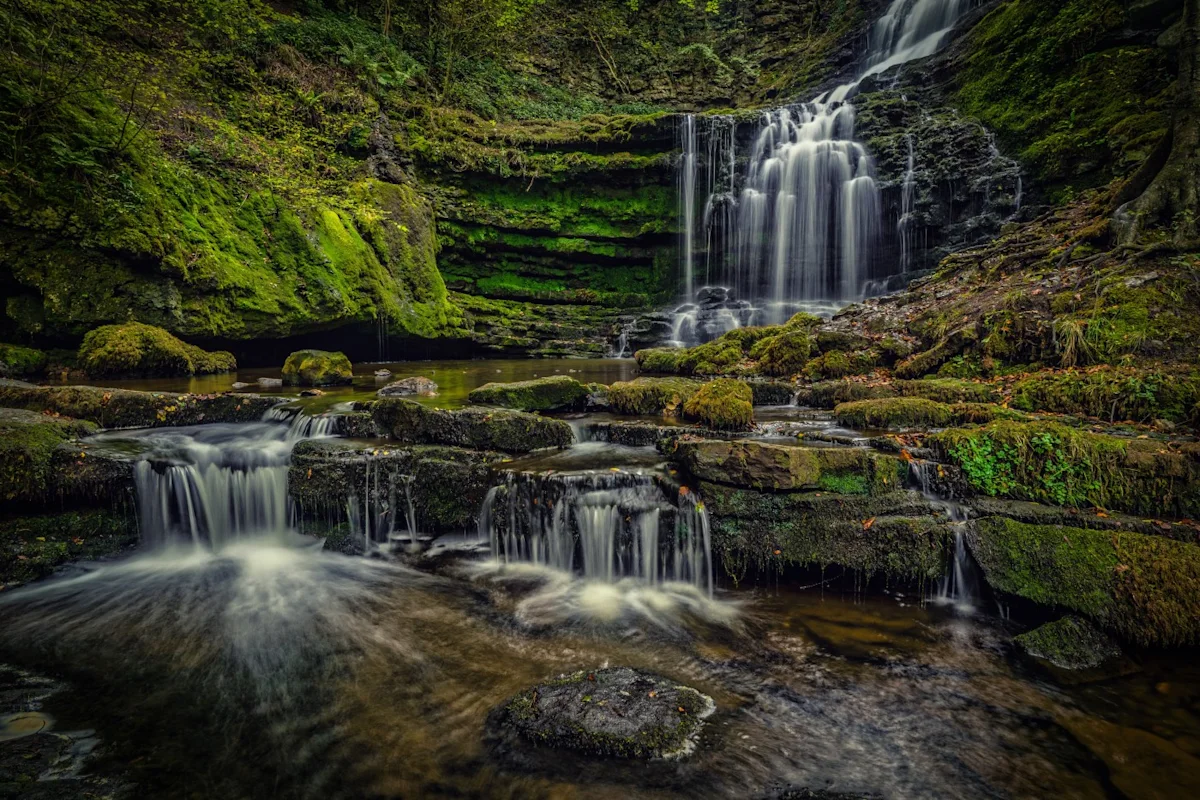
235	658
803	226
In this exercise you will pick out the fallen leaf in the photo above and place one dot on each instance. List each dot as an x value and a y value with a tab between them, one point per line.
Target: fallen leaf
867	523
653	694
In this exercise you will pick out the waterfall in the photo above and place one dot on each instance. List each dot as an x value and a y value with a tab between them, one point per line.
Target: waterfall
907	203
372	517
804	228
604	526
960	587
208	485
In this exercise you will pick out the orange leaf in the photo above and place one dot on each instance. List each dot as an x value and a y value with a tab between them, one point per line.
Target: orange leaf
867	523
905	455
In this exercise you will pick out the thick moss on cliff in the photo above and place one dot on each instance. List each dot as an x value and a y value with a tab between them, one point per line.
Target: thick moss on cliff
722	404
1144	588
1071	85
651	396
1114	393
783	355
27	444
136	349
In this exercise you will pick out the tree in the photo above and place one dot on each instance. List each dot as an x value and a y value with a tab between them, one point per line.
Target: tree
1172	184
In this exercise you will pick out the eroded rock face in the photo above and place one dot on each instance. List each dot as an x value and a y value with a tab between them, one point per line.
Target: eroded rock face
409	386
552	393
619	712
475	428
1069	643
317	368
782	468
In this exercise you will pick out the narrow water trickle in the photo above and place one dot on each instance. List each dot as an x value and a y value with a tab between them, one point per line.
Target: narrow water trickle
960	586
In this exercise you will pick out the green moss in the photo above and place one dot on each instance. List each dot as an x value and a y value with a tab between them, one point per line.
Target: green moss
553	393
783	355
473	428
136	349
897	412
33	546
667	360
27	442
845	483
948	390
1144	588
1068	643
1113	393
317	368
828	394
722	404
651	396
21	361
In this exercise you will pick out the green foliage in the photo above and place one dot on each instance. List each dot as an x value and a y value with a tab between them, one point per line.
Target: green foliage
722	404
21	361
1045	77
133	349
1041	461
1113	393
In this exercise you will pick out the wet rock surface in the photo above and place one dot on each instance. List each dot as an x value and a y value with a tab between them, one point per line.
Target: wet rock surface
552	393
618	712
1069	643
125	408
475	428
407	387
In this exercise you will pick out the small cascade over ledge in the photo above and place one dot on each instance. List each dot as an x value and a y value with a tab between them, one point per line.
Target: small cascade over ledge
605	526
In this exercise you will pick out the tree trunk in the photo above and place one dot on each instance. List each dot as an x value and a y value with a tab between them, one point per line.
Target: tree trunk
1173	197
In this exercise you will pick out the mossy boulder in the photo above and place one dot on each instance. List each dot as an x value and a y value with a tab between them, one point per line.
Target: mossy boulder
667	360
1146	589
1048	462
474	428
829	394
124	408
135	349
783	355
723	404
783	468
552	393
406	387
651	396
915	413
21	362
1069	643
1113	393
948	390
617	712
772	393
27	444
317	368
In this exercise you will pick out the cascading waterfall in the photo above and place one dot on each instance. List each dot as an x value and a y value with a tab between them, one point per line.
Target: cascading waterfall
907	203
212	484
605	526
804	229
959	587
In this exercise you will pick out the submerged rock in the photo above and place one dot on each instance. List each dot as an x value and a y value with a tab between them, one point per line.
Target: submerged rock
1069	643
619	712
552	393
317	368
409	386
475	428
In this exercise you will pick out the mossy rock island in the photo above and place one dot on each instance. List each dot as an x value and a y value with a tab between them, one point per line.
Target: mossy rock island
475	428
317	368
1070	643
552	393
134	349
616	712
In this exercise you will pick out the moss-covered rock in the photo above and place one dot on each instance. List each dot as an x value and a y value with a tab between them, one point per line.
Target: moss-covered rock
1113	393
948	390
124	408
134	349
552	393
27	443
651	396
20	362
406	387
783	468
317	368
474	428
829	394
1048	462
723	404
1144	588
783	355
33	546
892	533
448	484
772	393
667	360
1069	643
916	413
617	712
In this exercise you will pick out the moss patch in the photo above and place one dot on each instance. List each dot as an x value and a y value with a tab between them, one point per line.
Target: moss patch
722	404
317	368
34	546
27	444
20	361
552	393
1113	393
134	349
651	396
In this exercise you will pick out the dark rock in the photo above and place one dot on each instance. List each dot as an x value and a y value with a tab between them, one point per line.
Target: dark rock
773	467
475	428
1069	643
409	386
124	408
311	393
618	712
270	383
772	393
